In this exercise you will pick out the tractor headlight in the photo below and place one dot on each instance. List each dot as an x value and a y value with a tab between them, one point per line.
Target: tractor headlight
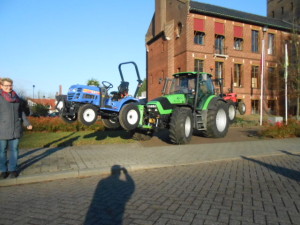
72	89
152	107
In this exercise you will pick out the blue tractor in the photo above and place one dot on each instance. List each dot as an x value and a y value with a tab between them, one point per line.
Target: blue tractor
85	103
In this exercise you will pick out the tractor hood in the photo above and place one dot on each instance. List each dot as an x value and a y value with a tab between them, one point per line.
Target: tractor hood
84	88
165	104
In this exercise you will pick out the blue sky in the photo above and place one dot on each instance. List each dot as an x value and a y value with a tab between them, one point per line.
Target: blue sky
48	43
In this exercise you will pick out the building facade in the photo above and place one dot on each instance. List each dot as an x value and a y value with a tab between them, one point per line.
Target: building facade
287	10
187	35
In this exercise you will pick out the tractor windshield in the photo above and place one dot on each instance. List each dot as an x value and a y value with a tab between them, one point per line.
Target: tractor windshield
180	85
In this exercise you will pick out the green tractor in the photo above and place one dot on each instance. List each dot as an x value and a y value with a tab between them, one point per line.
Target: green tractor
188	103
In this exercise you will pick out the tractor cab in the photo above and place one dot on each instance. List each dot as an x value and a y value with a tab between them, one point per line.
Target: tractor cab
197	87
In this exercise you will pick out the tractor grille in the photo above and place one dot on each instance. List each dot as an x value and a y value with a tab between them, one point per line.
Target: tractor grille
70	96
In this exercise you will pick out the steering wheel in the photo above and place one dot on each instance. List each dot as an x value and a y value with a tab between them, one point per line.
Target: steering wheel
107	84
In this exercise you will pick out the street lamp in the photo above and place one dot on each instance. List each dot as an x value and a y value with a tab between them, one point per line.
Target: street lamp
33	86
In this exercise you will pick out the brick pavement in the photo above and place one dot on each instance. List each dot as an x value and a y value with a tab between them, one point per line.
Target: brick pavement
246	190
44	164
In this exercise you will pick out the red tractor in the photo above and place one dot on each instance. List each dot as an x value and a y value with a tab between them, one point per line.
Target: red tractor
233	102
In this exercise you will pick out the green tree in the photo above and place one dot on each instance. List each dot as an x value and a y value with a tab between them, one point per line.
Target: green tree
142	88
93	82
40	110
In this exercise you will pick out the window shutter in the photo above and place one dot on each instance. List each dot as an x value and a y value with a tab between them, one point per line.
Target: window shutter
238	32
219	28
199	25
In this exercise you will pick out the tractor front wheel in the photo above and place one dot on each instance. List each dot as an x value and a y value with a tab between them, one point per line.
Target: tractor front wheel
217	121
129	116
242	107
68	118
231	111
87	114
111	124
181	125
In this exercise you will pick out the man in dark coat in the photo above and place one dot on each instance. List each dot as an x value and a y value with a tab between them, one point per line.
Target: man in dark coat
11	118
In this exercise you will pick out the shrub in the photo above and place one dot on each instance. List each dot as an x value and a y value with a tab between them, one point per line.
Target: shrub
280	130
55	124
40	110
245	121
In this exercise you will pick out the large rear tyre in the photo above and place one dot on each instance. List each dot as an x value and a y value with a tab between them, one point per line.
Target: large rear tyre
217	121
231	111
68	118
110	124
129	116
181	126
242	107
87	114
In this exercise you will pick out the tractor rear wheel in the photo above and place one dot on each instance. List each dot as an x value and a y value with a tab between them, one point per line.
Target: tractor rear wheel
129	116
217	121
87	114
111	124
242	107
181	125
68	118
231	111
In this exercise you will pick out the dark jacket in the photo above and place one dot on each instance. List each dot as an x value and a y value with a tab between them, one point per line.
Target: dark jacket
11	118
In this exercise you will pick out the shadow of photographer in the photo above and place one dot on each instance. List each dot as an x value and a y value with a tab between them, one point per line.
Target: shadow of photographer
110	198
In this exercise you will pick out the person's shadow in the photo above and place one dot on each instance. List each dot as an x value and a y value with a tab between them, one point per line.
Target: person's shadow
110	198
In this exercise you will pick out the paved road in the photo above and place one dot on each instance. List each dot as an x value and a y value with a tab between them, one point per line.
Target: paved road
248	190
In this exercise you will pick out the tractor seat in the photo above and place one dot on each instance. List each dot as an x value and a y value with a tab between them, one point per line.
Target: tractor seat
122	91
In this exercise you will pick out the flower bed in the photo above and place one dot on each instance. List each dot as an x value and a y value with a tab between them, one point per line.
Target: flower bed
55	124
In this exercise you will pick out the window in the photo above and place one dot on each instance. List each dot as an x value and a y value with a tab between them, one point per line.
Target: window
220	45
199	38
282	10
254	107
255	82
198	65
219	71
238	43
271	106
199	34
273	14
271	78
237	79
254	41
179	29
271	44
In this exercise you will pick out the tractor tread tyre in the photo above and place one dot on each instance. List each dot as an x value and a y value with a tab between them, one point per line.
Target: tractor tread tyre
129	116
108	123
231	111
242	108
68	119
181	126
217	121
87	114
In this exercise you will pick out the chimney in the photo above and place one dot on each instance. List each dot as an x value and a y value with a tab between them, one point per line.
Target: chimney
60	89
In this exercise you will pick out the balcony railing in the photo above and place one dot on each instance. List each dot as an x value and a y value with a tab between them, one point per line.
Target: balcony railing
220	50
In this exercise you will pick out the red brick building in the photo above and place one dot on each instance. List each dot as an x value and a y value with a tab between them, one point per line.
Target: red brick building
187	35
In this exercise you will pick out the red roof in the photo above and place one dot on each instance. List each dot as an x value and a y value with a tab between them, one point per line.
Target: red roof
44	101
